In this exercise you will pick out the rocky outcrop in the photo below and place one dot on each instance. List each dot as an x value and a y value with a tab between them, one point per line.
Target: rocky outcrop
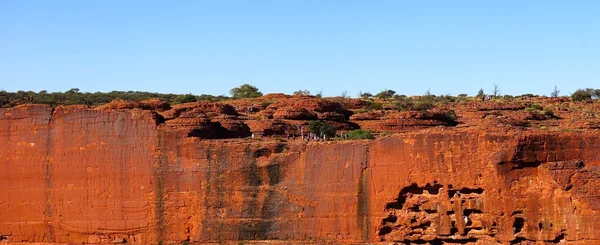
81	175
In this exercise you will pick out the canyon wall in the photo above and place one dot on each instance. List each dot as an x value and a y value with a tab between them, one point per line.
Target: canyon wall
80	175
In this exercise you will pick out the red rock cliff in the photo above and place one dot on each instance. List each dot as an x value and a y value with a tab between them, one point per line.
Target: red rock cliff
79	175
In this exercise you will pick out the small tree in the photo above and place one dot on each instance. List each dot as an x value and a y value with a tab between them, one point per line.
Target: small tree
388	93
428	96
596	93
581	95
480	93
555	92
319	94
365	95
321	128
245	91
73	91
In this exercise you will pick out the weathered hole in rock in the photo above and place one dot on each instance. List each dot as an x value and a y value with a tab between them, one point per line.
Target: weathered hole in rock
470	191
414	189
468	212
518	224
384	231
389	219
280	148
262	152
559	238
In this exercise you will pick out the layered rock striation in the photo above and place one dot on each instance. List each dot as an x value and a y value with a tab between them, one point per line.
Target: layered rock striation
148	175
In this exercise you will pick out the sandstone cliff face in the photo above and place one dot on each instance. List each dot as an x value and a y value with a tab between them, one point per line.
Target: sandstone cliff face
79	175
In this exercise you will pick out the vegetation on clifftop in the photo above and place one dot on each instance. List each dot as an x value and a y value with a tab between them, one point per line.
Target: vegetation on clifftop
386	99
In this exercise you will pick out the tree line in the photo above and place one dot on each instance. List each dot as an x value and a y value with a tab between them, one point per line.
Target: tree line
75	97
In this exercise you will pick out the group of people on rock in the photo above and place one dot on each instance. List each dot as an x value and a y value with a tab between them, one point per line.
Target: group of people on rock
308	137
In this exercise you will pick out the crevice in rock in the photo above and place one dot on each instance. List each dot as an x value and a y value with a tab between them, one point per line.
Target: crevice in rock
362	209
559	238
52	110
389	219
48	183
518	225
471	190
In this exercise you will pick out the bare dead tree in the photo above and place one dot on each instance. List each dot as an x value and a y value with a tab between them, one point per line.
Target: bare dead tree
496	90
345	94
555	92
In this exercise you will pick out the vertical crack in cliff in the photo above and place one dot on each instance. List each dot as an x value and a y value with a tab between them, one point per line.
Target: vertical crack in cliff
262	202
205	222
363	199
160	188
48	180
221	164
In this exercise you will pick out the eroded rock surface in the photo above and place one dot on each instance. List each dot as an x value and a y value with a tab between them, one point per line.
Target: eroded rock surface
130	174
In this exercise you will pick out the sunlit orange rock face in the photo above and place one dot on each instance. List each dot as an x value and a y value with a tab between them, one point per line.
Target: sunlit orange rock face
98	176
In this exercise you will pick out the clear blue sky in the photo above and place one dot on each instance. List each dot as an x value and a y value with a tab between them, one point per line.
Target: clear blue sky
210	46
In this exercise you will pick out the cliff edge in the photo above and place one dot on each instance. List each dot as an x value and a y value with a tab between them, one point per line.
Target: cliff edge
192	173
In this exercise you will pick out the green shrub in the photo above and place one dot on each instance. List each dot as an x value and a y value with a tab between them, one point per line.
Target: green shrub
375	106
321	128
365	95
401	105
451	115
527	96
422	106
530	109
508	97
534	107
184	98
210	98
302	92
266	104
360	134
582	95
385	94
386	133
